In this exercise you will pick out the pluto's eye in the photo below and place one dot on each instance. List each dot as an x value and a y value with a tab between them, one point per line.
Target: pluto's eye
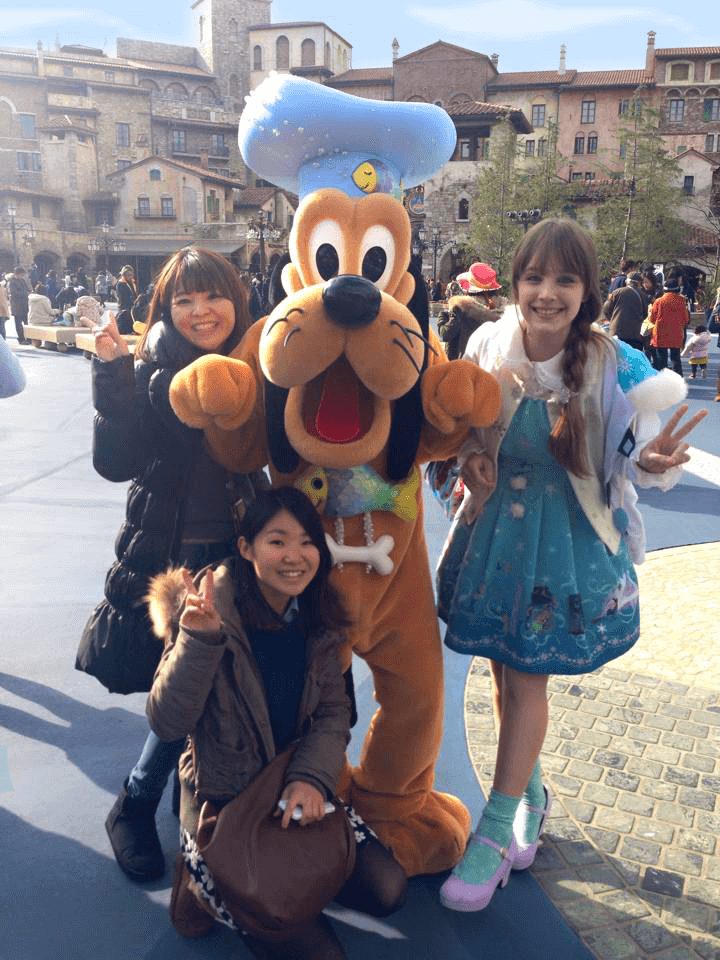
316	483
327	261
374	263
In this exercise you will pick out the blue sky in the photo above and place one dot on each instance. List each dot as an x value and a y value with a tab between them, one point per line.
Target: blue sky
526	34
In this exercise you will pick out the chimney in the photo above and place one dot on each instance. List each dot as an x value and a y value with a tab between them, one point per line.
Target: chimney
395	49
204	159
40	59
494	59
650	54
561	68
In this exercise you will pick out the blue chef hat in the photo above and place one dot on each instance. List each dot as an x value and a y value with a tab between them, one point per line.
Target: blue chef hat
303	136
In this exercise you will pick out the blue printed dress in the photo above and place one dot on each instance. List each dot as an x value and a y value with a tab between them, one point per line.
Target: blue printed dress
529	583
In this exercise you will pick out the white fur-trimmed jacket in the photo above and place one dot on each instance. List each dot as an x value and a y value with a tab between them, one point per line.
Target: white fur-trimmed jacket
618	423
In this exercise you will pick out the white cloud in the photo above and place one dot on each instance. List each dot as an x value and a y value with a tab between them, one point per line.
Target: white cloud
516	19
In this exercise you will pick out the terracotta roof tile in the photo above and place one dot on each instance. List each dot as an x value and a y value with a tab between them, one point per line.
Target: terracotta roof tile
611	78
687	52
531	78
475	108
368	73
255	196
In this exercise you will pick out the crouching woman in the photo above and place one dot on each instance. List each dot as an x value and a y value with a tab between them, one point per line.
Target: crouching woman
250	667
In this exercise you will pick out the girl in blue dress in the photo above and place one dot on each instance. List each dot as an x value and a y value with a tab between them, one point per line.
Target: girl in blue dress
537	574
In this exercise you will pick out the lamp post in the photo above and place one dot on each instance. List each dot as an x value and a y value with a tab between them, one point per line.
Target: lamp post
261	229
14	226
526	217
105	244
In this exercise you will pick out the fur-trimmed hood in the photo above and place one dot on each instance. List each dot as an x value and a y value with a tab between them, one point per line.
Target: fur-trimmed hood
165	598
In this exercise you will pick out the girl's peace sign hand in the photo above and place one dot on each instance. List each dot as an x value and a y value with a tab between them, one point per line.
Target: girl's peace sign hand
666	449
109	343
199	611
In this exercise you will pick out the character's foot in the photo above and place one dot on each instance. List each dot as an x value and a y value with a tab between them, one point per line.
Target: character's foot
429	841
473	883
529	820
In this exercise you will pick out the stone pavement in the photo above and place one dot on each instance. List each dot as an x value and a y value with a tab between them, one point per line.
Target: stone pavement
631	855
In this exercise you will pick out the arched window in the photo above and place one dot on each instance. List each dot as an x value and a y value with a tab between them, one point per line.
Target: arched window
201	28
463	210
205	95
233	27
282	53
257	57
233	85
579	144
176	91
592	142
345	59
327	53
307	53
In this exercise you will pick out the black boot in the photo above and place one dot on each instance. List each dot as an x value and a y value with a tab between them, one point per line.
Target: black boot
133	836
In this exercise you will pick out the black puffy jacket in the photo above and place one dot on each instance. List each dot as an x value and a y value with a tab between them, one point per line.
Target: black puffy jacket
137	437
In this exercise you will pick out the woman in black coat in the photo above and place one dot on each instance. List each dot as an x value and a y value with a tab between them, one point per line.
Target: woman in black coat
180	505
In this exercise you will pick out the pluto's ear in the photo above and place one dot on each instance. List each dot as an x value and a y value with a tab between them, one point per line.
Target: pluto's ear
405	289
291	279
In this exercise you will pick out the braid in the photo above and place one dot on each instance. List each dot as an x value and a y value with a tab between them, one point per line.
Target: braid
566	442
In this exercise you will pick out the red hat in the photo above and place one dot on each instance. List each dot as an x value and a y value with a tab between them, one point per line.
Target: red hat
480	278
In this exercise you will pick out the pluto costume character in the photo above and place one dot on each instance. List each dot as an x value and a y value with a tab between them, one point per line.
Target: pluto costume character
344	391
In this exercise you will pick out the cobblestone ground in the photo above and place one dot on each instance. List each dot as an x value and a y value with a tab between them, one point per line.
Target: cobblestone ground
631	852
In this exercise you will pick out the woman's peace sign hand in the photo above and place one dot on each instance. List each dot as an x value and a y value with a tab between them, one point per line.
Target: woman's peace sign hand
199	611
666	449
109	343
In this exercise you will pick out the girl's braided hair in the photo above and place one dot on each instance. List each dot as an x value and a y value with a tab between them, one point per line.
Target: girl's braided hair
567	246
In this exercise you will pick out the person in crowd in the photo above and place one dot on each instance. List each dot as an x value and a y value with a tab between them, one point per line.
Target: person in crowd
670	317
436	291
698	348
181	503
88	311
104	283
140	308
126	291
12	375
34	275
40	309
619	280
52	285
625	309
4	306
274	610
67	296
19	293
535	575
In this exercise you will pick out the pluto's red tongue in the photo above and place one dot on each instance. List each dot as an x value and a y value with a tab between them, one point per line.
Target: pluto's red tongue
338	417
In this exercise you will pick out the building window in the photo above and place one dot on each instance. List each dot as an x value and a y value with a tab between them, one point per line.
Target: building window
587	111
155	174
579	145
233	29
689	185
282	53
676	111
623	107
679	71
712	109
122	134
166	207
201	28
218	145
109	76
143	207
592	143
589	176
35	208
124	164
542	148
327	54
257	57
710	143
576	176
307	53
714	71
27	125
179	141
483	148
538	115
622	151
67	71
463	212
464	150
529	148
28	161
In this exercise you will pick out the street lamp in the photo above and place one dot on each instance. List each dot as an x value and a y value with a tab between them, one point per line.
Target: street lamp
526	217
14	226
261	229
105	244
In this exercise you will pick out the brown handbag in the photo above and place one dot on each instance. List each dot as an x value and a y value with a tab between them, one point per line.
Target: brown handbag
274	881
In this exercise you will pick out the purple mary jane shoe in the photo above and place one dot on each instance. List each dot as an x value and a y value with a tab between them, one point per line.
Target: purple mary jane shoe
456	894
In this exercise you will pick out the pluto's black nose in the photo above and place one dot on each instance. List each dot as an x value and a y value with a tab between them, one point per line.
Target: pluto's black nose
351	301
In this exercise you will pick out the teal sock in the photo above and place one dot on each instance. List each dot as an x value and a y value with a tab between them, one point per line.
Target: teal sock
528	822
496	823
